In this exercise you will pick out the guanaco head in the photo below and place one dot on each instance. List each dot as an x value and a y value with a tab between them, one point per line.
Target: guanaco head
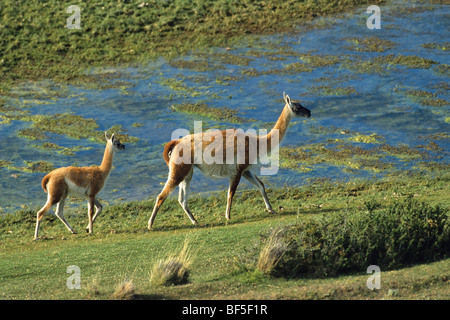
114	142
297	109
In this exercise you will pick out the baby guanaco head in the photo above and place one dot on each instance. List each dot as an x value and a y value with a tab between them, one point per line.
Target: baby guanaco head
114	142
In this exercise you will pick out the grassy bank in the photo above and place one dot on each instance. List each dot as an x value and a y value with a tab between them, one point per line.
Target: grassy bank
35	42
223	256
123	250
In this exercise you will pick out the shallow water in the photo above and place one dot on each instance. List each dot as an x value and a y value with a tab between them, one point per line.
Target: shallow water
346	101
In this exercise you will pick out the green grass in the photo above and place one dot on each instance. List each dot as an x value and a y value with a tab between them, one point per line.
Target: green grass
35	43
122	250
117	261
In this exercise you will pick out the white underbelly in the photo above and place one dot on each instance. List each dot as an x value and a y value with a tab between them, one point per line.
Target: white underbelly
218	171
76	189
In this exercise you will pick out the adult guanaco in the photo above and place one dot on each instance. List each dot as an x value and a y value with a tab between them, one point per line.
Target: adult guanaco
85	181
181	156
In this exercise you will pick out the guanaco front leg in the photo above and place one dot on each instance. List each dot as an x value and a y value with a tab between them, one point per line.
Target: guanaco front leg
98	210
91	204
250	176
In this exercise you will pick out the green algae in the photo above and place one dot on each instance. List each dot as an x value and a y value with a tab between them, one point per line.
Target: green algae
5	163
224	58
293	68
180	88
308	63
39	92
290	68
120	133
329	90
424	97
419	93
226	80
62	150
437	46
443	69
384	64
366	138
369	44
359	65
30	166
354	152
344	155
70	125
435	102
320	60
412	61
38	166
214	113
194	64
73	126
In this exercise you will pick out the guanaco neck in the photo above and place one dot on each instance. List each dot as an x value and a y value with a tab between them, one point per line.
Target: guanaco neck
279	130
108	157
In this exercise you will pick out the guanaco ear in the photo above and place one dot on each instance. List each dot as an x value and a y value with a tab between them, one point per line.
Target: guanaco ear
287	99
112	138
106	136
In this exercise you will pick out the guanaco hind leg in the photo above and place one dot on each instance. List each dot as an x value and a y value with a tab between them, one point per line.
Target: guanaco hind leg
177	174
55	194
40	214
183	196
60	213
234	182
168	188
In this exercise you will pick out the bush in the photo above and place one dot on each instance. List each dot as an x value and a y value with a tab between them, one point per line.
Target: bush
405	233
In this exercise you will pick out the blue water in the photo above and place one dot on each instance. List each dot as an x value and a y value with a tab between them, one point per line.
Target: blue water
376	107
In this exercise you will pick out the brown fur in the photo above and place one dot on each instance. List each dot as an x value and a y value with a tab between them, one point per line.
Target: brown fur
168	149
45	181
59	183
181	174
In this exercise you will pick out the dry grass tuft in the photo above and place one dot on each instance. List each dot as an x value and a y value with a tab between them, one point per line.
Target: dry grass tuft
173	270
271	253
124	291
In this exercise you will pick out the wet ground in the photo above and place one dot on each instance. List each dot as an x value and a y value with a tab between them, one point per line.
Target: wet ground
379	100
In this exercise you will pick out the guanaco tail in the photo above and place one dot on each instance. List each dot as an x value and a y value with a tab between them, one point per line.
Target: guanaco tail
181	167
85	181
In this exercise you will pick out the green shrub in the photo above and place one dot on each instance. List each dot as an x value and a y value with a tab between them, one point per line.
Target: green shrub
405	233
